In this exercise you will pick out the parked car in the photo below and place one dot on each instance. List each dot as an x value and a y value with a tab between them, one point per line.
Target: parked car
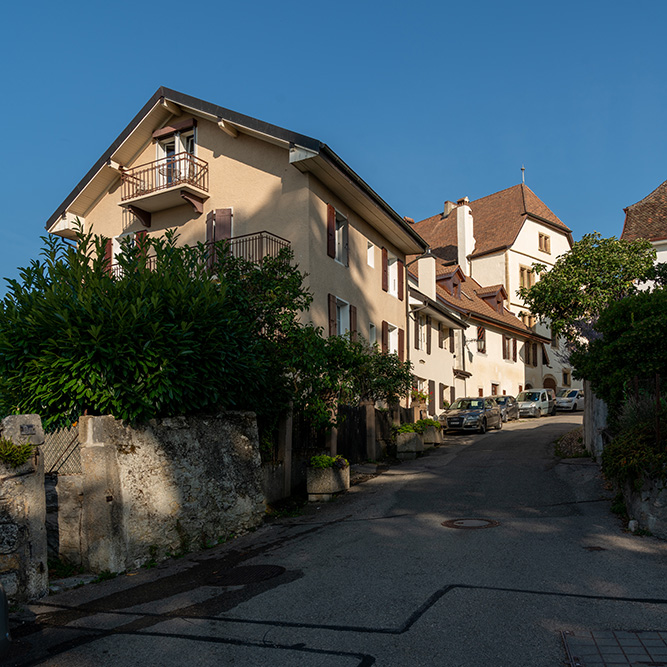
472	414
535	403
570	399
509	408
4	624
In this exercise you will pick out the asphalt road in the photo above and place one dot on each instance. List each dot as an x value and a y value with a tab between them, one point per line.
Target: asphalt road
374	578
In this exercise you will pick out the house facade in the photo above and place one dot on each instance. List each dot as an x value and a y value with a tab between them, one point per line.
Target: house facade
210	174
495	240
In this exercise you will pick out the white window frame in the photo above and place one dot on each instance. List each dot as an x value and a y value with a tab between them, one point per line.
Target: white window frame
392	342
370	254
342	238
342	317
372	334
392	274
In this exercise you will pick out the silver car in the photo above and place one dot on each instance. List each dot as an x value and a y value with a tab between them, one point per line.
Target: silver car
472	414
570	399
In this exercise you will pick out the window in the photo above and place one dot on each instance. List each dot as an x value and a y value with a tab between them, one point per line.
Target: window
337	235
422	332
342	317
566	378
392	274
393	339
370	254
544	243
494	389
171	149
554	340
507	341
534	355
372	334
528	320
514	349
481	339
526	276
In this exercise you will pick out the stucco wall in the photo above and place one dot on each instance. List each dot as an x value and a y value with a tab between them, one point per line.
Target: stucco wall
170	486
23	562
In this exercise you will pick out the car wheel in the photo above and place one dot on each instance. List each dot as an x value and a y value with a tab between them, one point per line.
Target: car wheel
574	408
500	424
482	426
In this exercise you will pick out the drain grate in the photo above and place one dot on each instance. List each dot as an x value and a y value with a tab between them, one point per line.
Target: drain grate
248	574
470	524
615	648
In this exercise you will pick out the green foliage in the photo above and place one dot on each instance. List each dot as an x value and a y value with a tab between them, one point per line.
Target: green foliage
104	575
593	274
631	344
618	505
419	396
14	455
419	426
633	454
325	461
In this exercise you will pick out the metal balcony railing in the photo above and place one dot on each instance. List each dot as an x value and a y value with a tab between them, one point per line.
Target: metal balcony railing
179	169
253	248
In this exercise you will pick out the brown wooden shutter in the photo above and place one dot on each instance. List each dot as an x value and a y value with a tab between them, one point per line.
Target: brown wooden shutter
428	334
534	354
401	272
223	224
431	397
209	226
441	396
353	322
332	315
108	255
385	270
441	335
452	345
385	337
401	344
141	242
514	349
505	355
331	231
416	331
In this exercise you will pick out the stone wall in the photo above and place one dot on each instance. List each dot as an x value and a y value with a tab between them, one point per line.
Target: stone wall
648	506
23	565
595	421
173	485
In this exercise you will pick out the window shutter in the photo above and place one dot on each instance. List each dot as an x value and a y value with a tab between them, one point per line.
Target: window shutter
385	337
451	341
331	231
108	255
416	331
385	270
428	335
332	315
401	272
346	243
514	349
209	226
441	335
353	322
441	396
401	344
223	224
431	397
140	241
534	354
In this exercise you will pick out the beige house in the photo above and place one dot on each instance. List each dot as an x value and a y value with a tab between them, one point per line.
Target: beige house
211	173
495	240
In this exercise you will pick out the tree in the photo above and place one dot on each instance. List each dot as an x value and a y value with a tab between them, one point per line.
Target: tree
593	274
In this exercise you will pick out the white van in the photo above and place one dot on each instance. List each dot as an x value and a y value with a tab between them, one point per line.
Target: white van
534	403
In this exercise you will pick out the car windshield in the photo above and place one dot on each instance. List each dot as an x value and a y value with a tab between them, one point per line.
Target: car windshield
567	393
468	404
528	396
501	400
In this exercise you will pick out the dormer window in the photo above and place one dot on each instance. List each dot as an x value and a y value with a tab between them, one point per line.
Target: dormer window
544	243
451	282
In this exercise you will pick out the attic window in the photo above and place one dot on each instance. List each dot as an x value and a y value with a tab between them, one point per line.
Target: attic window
544	243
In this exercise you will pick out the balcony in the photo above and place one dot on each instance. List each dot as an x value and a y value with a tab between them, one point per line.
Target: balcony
165	183
253	248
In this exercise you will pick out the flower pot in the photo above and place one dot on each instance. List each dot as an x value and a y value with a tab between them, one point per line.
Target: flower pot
322	483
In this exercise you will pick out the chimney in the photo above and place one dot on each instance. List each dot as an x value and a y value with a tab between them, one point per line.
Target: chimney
464	233
449	207
426	277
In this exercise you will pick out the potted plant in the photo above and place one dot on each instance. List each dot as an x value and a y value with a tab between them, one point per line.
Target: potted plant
325	476
418	397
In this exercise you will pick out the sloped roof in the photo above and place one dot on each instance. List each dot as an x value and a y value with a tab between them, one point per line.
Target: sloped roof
309	155
497	221
647	219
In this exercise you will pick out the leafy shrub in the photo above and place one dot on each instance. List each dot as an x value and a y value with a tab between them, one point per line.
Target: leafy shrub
423	424
14	455
633	454
325	461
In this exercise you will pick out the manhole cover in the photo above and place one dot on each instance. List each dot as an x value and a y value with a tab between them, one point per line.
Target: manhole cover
241	576
470	524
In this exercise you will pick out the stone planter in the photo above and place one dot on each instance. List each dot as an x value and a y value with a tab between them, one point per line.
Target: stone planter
432	436
322	483
409	446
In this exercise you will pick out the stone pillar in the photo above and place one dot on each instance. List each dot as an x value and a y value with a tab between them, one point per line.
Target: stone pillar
23	550
102	542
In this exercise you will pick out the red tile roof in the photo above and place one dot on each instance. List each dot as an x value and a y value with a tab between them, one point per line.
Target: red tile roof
647	219
497	220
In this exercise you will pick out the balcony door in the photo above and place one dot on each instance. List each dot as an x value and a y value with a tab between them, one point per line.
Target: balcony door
174	152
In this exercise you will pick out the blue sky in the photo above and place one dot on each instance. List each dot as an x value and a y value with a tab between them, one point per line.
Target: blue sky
426	101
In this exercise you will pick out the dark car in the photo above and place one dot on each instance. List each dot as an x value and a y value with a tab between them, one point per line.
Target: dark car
4	624
472	414
509	408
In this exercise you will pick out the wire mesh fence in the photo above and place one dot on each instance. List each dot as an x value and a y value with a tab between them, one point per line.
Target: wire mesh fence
61	451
